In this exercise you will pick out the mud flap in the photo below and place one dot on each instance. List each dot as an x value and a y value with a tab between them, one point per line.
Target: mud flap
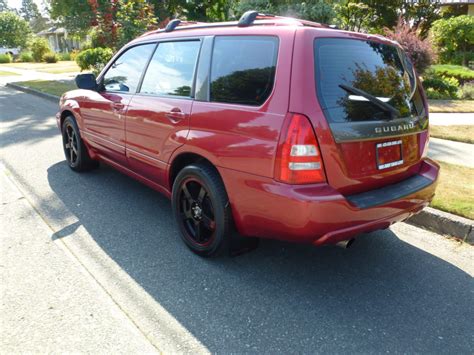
241	245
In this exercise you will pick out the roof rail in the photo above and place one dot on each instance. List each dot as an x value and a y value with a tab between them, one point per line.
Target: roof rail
249	17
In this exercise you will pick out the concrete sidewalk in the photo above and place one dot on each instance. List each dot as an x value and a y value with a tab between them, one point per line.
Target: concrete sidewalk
452	119
49	303
29	74
452	152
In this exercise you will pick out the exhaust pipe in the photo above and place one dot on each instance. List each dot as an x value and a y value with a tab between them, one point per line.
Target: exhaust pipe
345	244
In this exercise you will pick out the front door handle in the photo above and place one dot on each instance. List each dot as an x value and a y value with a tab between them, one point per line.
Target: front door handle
175	115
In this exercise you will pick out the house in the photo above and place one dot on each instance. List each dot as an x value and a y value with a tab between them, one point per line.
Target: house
59	40
465	5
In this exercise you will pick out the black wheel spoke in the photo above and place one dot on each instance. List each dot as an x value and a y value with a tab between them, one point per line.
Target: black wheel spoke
202	194
186	210
197	229
187	194
208	222
71	155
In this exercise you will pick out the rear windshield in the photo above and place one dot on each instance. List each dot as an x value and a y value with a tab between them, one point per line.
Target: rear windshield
380	70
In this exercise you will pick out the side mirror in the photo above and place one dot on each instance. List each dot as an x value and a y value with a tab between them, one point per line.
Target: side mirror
86	82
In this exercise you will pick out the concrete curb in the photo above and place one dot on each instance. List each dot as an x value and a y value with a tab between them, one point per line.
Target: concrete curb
44	95
445	224
432	219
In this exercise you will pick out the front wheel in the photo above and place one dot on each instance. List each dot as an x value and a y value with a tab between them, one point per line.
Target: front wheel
75	151
202	211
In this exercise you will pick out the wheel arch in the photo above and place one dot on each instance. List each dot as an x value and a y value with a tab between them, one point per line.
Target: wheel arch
184	159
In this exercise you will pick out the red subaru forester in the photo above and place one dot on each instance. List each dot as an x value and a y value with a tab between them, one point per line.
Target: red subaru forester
267	127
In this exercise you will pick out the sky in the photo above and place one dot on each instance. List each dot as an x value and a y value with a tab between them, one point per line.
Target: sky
17	3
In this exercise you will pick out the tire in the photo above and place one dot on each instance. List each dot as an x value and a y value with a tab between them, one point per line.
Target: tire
75	151
202	211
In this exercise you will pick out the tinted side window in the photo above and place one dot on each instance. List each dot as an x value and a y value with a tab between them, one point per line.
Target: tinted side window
124	75
171	69
243	69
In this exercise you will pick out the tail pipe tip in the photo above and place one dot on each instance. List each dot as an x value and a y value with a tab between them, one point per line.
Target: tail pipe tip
345	244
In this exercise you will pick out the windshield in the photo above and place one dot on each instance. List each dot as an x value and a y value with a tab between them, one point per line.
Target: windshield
361	80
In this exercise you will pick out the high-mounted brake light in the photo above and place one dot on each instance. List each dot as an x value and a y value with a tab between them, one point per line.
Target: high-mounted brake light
298	159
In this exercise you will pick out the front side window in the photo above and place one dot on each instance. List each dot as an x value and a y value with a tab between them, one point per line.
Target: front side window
243	69
124	75
171	69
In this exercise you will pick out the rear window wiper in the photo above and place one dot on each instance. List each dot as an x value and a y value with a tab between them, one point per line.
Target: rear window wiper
394	113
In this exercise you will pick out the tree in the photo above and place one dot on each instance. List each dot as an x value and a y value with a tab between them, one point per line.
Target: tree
76	16
4	6
29	10
134	18
354	16
421	15
113	22
312	10
454	38
419	50
14	31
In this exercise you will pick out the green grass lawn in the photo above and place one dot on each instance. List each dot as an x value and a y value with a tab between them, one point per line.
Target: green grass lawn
457	71
455	192
456	106
53	87
454	133
7	73
52	68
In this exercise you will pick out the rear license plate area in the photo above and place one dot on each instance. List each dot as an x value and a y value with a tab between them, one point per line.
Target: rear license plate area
389	154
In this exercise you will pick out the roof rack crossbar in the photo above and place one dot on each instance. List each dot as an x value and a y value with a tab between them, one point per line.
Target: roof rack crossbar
249	17
172	25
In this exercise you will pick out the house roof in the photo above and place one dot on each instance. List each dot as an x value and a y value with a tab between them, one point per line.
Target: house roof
52	30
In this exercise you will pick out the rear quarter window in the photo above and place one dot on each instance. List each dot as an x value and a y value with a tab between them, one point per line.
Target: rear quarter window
243	69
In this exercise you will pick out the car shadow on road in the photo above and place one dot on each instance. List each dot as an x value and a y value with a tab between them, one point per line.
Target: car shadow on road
383	294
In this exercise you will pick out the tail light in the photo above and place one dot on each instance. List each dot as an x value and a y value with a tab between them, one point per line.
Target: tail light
298	159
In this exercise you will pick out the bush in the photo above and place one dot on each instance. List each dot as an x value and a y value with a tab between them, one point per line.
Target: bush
440	87
454	38
39	47
94	59
25	57
74	54
462	74
51	57
420	51
65	56
467	91
5	58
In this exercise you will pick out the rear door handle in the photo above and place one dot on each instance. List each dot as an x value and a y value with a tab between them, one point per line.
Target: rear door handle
175	115
117	106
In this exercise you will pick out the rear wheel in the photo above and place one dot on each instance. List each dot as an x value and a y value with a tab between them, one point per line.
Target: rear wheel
75	151
201	209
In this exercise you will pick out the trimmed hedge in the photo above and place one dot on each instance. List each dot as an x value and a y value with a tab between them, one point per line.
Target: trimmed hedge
5	58
462	74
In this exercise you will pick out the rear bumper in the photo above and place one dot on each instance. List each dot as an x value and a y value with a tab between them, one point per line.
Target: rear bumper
319	214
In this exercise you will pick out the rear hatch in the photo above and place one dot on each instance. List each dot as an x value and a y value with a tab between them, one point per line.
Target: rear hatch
373	104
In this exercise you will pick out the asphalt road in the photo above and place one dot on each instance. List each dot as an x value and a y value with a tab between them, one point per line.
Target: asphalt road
403	290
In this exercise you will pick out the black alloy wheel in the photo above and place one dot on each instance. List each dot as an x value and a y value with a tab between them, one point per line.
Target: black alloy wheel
202	210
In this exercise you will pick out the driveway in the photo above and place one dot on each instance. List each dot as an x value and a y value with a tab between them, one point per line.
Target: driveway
402	290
